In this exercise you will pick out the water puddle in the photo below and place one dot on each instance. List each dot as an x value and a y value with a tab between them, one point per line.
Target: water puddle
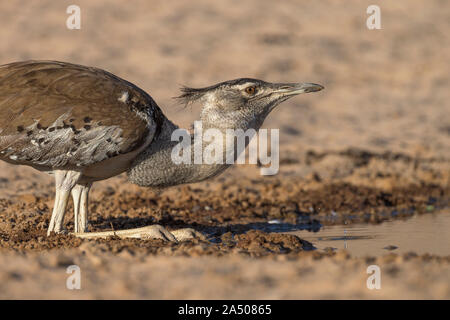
427	233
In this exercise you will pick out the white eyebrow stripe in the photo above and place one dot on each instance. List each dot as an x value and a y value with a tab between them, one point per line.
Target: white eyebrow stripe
245	85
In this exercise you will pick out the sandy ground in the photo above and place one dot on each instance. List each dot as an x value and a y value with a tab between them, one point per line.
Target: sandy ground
373	146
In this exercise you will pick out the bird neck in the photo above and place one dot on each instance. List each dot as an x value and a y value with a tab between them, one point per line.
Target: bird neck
155	167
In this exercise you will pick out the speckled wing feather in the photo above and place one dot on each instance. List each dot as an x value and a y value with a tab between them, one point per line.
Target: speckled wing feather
61	115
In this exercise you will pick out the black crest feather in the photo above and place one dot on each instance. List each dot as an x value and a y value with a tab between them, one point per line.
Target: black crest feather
190	95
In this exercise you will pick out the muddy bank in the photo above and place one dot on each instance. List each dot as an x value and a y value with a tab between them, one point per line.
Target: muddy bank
233	217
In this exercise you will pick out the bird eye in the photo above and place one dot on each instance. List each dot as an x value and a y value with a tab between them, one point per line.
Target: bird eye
250	90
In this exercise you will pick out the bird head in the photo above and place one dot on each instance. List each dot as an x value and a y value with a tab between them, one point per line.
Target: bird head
242	103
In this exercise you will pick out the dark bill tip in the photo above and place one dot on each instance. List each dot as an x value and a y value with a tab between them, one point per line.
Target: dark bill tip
298	88
311	87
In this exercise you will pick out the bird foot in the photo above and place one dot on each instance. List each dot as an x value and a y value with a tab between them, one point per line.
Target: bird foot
149	232
187	233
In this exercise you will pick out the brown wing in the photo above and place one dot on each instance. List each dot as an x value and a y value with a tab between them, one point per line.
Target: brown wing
59	115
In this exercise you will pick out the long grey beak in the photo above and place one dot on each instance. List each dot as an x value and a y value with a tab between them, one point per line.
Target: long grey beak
290	89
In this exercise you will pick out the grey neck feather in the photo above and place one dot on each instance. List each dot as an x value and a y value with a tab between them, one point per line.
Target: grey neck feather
154	166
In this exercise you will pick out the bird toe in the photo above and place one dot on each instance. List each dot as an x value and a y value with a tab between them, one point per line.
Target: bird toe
187	233
156	231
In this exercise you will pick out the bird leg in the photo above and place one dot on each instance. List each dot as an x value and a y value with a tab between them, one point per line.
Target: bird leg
149	232
80	195
64	182
67	183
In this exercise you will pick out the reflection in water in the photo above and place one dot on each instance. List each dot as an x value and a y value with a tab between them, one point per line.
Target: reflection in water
427	233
